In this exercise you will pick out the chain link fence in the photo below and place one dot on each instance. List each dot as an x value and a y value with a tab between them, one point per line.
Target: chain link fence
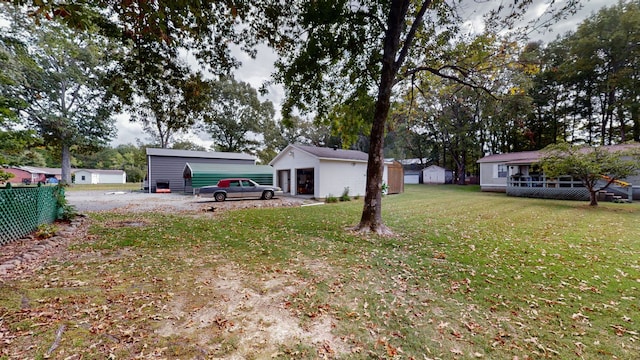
23	209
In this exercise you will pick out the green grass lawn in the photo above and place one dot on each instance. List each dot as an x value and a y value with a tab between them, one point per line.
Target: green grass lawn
469	275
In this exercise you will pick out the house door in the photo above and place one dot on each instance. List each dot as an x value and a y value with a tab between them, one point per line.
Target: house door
284	181
304	181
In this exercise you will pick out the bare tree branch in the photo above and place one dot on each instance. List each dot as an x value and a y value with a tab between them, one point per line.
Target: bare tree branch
408	41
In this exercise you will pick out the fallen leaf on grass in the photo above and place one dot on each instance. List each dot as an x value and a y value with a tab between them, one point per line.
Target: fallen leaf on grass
621	330
579	316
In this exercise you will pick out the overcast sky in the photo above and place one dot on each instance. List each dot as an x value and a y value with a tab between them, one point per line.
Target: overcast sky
256	72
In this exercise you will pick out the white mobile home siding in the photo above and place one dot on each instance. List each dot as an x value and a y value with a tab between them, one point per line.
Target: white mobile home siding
85	177
113	178
97	176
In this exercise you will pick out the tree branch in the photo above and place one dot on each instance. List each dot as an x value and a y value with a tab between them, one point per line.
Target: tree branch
459	80
408	41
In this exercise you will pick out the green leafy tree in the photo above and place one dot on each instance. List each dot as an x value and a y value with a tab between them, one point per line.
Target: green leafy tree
170	103
13	140
550	99
273	140
32	158
134	161
596	167
153	35
127	157
61	86
235	116
187	145
457	126
409	136
588	87
340	52
161	28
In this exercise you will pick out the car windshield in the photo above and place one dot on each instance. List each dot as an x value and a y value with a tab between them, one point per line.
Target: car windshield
247	183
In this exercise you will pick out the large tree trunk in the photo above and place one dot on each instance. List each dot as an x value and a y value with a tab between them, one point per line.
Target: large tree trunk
462	169
635	119
371	219
66	165
593	198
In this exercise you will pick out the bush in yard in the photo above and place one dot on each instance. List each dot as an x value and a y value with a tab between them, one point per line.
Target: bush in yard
331	199
67	212
345	195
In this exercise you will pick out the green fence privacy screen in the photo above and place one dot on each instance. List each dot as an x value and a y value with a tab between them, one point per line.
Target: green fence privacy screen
23	209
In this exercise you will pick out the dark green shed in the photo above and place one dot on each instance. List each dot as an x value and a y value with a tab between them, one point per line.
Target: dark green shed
199	175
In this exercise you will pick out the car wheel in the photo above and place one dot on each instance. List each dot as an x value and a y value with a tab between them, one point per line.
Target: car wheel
219	196
267	195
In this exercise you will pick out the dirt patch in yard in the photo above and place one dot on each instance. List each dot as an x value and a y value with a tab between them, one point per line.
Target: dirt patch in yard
247	317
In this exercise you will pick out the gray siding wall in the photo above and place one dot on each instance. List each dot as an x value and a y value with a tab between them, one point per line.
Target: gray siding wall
488	182
171	168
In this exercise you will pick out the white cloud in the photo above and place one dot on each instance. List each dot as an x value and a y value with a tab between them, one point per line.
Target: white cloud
128	132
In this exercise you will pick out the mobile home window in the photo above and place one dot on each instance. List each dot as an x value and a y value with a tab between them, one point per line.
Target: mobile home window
502	171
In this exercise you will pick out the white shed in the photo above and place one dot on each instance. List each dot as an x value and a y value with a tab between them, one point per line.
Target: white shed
94	176
434	174
321	171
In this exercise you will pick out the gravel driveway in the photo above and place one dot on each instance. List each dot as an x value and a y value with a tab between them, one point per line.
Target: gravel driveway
137	201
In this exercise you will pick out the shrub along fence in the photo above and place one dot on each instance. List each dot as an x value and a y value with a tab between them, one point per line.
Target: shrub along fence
23	209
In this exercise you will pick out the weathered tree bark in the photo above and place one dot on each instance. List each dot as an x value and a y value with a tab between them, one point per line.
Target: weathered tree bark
371	220
66	165
635	119
462	168
593	198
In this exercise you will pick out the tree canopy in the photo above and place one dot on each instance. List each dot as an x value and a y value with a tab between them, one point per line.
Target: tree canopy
234	116
587	88
596	167
342	52
375	71
58	79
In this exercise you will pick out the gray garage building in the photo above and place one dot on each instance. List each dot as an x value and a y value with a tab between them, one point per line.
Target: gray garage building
165	166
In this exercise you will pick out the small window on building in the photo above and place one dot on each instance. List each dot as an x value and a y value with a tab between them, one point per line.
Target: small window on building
502	171
83	178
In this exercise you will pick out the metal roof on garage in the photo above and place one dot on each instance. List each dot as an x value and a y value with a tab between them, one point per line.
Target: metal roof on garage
199	154
210	174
